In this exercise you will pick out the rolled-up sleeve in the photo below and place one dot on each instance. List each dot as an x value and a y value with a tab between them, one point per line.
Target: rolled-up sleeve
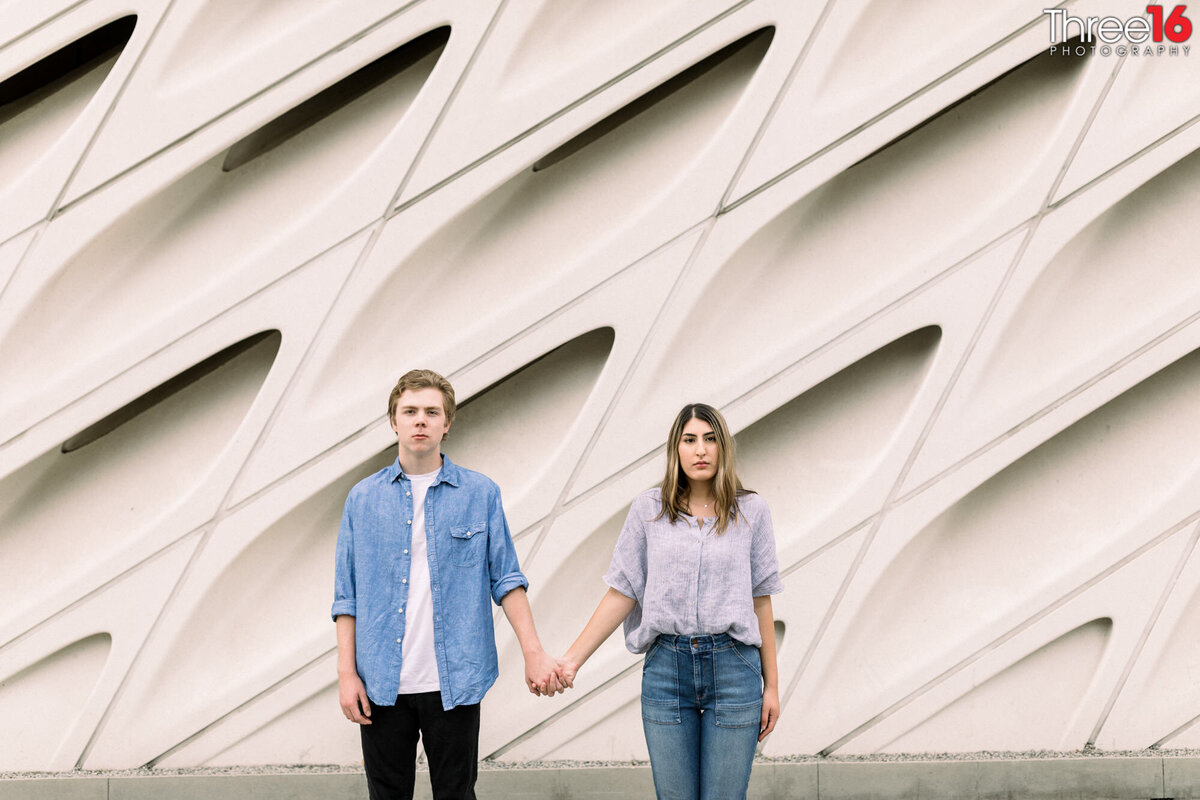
764	563
627	570
503	567
344	598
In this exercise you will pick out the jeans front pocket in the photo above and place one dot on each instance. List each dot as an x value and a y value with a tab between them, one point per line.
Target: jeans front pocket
468	543
660	686
739	687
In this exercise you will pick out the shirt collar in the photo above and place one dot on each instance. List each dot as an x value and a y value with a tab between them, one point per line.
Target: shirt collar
449	472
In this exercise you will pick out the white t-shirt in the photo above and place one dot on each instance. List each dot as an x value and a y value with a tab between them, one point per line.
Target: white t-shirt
418	662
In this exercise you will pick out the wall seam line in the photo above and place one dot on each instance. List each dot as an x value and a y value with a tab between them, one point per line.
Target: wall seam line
443	111
41	25
96	591
1012	632
776	102
1056	404
199	130
193	331
1148	629
246	703
1178	130
122	685
873	120
55	209
705	229
375	229
567	109
910	459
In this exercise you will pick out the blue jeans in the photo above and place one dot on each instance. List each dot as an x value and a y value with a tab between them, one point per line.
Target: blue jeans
701	709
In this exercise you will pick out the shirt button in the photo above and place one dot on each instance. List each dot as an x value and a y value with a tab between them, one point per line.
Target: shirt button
408	494
410	522
400	610
405	552
404	580
398	641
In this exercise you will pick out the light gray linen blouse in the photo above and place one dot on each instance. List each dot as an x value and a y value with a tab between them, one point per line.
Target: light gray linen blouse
686	579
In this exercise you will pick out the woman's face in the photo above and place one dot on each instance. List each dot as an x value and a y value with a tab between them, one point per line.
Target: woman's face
698	451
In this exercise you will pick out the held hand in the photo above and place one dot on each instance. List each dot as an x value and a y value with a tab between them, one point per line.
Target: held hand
568	668
770	712
541	674
352	696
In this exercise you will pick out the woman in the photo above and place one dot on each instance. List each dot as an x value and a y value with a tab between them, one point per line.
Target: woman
691	576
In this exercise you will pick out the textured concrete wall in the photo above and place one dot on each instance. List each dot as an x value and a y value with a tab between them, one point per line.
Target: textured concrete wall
941	280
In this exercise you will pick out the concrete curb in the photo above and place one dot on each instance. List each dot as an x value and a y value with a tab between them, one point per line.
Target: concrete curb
1095	778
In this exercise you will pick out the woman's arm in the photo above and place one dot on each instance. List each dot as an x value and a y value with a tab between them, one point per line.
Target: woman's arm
614	607
770	669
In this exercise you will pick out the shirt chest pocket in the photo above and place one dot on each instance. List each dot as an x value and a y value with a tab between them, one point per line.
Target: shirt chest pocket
468	543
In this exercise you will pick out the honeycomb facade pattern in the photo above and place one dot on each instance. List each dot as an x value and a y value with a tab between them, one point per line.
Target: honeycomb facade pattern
940	278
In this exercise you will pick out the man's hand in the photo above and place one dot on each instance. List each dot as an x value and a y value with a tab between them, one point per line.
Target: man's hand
541	671
541	674
352	696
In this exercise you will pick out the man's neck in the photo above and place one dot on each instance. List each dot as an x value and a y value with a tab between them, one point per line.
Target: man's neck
412	465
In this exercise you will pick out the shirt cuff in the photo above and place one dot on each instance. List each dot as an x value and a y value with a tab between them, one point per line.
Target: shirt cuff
772	585
346	607
621	584
506	585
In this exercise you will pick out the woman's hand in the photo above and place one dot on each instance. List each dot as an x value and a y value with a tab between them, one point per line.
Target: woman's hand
770	712
614	607
770	670
568	668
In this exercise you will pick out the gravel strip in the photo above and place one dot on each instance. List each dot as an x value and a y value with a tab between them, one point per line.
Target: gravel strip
985	755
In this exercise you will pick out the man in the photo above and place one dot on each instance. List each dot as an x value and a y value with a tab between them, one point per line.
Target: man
422	545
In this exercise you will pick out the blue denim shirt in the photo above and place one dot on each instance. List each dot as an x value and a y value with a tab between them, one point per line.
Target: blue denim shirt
471	558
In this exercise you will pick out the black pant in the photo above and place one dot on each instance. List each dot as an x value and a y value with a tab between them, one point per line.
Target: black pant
451	741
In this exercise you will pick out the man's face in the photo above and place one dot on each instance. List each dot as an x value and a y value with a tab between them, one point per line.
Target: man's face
420	421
